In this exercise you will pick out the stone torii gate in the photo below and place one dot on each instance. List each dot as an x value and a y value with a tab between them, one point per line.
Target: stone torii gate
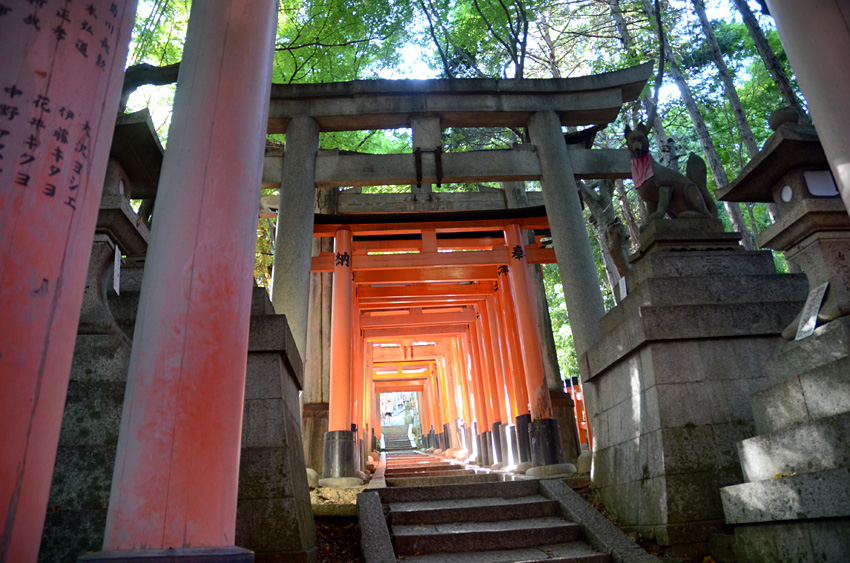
544	106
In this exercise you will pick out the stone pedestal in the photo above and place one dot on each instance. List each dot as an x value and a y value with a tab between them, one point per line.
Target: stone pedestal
670	378
273	516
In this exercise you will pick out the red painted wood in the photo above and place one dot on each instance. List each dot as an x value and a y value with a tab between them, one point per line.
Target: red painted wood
529	334
60	76
176	471
339	401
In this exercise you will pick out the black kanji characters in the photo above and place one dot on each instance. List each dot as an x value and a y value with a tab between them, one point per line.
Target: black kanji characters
342	259
13	91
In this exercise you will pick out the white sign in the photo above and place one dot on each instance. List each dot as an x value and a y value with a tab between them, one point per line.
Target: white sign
623	289
116	271
809	316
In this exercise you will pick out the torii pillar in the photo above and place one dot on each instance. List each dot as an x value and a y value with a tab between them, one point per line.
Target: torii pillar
546	448
59	91
569	236
174	485
338	448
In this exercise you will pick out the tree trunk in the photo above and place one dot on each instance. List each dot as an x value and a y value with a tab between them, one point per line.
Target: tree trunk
610	231
714	164
741	122
657	126
777	71
628	214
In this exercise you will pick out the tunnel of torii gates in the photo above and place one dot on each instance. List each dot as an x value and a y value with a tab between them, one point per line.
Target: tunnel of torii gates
461	284
461	277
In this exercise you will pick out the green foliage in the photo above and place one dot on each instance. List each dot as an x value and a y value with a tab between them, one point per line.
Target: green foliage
567	360
337	40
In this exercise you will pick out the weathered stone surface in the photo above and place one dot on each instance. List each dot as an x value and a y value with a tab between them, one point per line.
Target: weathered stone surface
600	532
824	494
817	446
68	534
375	535
82	474
670	381
794	542
274	517
829	344
100	357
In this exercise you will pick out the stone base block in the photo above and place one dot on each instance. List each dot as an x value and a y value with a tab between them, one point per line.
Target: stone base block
523	467
552	470
523	422
826	541
183	555
546	446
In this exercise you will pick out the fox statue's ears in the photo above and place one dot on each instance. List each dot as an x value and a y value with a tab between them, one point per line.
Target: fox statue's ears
640	128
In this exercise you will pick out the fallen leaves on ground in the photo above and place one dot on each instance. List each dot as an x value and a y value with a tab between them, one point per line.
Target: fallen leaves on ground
338	540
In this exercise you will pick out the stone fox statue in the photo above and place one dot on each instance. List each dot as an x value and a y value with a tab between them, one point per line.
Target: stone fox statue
666	191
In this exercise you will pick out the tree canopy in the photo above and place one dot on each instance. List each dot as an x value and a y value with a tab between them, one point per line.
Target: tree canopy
726	72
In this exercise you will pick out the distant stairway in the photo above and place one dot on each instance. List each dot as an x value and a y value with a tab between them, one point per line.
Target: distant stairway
396	439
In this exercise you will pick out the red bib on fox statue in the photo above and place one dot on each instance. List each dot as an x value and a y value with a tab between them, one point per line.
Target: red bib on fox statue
642	169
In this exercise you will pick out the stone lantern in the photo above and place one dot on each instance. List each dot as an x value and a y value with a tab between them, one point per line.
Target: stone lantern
812	227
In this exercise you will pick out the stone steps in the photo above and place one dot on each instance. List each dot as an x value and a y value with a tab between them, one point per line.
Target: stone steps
461	536
423	472
572	552
475	518
472	510
818	446
497	518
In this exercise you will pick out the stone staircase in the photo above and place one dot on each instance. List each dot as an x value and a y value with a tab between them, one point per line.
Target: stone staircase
468	517
794	503
395	439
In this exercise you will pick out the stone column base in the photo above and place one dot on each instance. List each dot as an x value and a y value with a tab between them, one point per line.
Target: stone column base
338	455
484	457
523	421
497	443
227	554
